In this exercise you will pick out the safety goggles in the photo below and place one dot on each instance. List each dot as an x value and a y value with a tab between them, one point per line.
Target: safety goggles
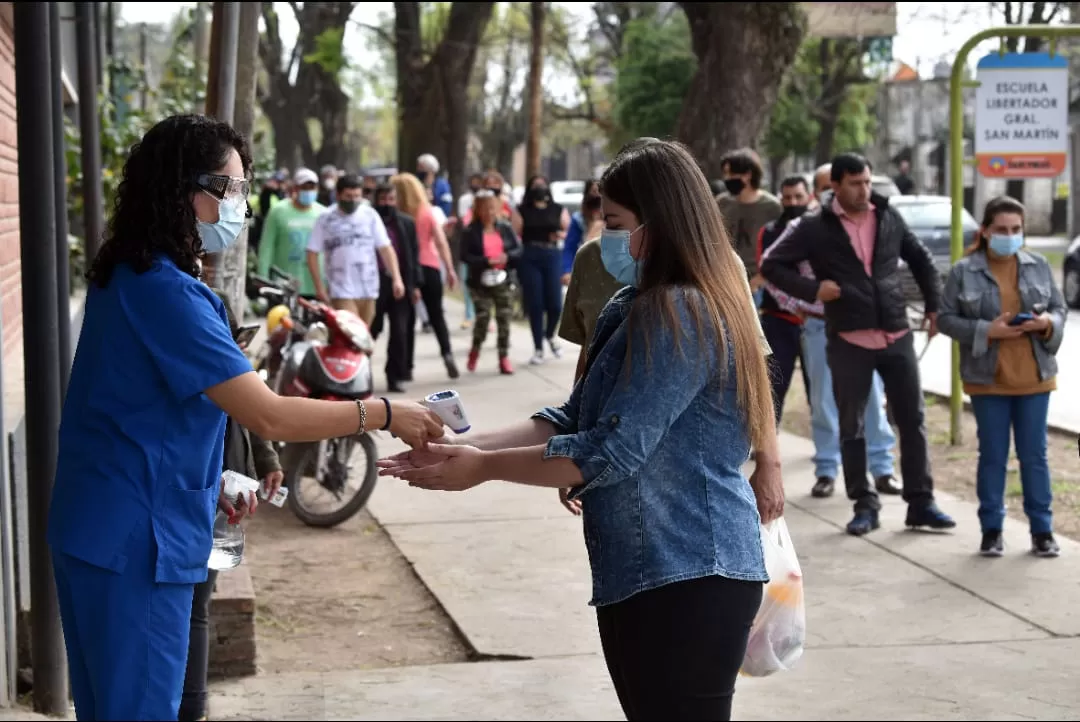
226	189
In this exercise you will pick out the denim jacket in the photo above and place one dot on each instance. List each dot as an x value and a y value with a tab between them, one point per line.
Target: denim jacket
661	452
972	301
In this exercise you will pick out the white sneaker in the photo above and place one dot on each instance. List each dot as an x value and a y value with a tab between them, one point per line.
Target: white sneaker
556	349
537	358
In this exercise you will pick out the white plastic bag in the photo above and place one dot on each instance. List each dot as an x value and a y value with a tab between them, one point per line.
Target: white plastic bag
779	632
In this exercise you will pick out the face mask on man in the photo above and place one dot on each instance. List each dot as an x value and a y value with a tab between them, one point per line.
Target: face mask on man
1006	245
616	257
384	209
347	207
218	236
306	198
792	212
734	186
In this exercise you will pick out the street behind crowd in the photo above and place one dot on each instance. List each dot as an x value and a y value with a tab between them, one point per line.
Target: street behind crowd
901	625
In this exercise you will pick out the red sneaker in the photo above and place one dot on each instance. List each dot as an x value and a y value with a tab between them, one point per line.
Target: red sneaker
505	367
474	356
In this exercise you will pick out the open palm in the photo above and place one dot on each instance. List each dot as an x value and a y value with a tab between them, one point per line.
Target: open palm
408	460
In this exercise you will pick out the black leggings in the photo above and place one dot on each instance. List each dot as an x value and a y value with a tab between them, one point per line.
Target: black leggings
674	652
193	701
431	293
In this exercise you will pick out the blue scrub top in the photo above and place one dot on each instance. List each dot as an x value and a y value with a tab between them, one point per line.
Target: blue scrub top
140	444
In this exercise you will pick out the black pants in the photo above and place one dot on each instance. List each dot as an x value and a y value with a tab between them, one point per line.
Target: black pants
674	652
431	293
785	338
400	316
852	372
193	701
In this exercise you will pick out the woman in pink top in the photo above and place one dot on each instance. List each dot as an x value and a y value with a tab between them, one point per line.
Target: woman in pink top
434	252
488	248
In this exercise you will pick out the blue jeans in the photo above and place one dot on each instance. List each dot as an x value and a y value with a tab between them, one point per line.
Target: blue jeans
1025	416
463	275
825	421
540	274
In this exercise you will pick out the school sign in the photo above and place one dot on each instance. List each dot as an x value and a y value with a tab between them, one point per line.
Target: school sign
1022	115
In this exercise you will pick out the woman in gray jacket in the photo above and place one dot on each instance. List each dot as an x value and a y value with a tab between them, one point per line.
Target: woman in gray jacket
1003	307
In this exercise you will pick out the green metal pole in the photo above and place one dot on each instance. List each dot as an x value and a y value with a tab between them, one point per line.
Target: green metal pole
956	171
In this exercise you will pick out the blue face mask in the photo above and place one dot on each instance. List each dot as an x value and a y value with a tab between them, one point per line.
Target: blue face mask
216	237
1006	245
615	254
306	198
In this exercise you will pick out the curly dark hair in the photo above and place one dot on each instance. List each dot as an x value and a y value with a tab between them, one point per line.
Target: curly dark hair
153	213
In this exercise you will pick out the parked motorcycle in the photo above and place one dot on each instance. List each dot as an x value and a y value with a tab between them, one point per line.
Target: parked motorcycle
326	356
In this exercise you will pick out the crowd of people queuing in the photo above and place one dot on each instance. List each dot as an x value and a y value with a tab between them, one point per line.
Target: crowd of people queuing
692	312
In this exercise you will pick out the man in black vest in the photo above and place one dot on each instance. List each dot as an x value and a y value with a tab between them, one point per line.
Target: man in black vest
854	243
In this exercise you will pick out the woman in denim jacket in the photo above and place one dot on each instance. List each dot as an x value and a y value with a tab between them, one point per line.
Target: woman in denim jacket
1003	307
652	440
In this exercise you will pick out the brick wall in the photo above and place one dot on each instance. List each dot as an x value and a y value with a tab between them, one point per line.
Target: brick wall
10	275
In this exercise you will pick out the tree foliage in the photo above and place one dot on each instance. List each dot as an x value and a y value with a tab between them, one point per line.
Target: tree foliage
653	73
805	106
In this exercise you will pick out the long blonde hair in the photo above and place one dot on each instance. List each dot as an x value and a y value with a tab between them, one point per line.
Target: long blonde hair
411	196
661	183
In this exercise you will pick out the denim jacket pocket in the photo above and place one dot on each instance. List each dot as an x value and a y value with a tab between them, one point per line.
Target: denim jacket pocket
1035	292
970	304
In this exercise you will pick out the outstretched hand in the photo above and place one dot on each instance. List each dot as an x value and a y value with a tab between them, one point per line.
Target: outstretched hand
440	467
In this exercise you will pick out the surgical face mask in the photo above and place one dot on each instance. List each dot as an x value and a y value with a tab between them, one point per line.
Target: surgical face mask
1003	245
329	183
615	255
734	186
218	236
347	207
306	198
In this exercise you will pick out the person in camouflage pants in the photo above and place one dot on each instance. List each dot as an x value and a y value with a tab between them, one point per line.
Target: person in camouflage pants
490	249
501	299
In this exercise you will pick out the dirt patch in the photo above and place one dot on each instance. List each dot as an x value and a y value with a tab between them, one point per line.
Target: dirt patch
342	598
954	466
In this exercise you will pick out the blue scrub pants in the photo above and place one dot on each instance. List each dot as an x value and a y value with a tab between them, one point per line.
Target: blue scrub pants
126	636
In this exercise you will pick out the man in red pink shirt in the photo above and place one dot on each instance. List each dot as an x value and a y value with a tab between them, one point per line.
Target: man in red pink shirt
854	243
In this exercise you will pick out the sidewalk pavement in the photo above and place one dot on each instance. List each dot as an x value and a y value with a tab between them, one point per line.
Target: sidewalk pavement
901	625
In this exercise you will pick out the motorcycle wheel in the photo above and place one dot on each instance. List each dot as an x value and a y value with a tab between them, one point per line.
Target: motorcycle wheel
297	459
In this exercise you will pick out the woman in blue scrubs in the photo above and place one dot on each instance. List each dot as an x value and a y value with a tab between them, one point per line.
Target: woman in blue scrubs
156	371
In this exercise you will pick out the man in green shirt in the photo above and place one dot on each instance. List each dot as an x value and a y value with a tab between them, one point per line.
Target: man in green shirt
286	230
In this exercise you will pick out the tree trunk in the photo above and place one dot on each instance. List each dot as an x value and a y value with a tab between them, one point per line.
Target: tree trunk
216	20
743	51
333	116
840	67
775	163
433	102
316	92
536	88
234	259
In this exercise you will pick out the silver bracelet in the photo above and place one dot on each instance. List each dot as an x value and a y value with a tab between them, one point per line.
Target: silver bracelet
363	416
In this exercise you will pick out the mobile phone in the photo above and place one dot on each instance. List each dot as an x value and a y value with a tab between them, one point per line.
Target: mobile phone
246	334
1021	318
